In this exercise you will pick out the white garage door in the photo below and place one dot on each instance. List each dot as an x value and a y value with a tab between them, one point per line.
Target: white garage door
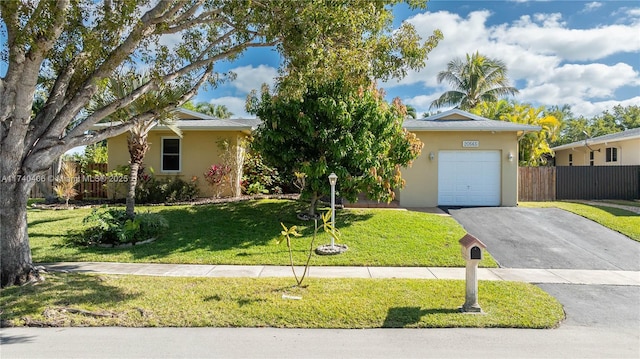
469	178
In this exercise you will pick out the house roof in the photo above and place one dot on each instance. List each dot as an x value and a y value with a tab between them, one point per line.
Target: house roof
192	120
631	134
458	120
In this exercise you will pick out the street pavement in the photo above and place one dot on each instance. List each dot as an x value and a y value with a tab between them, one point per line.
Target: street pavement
110	342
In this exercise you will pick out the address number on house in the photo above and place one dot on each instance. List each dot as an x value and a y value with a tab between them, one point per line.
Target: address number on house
470	143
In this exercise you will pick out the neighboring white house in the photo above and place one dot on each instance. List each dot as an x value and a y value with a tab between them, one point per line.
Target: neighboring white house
616	149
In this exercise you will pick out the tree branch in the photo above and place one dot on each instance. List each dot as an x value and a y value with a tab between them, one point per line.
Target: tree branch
145	28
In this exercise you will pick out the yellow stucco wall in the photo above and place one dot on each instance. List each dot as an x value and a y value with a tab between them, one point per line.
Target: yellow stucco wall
199	150
628	154
421	188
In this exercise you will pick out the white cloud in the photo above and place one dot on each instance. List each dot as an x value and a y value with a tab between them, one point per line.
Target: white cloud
250	78
591	109
548	35
542	53
591	6
234	104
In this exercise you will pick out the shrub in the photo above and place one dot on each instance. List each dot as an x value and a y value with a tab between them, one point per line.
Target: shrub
218	177
258	177
114	227
153	190
65	187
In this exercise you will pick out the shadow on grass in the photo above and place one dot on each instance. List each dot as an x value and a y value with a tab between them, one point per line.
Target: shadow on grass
400	317
617	212
65	290
227	226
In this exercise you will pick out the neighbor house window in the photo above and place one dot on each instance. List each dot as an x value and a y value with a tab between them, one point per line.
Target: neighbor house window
571	159
170	154
612	154
591	156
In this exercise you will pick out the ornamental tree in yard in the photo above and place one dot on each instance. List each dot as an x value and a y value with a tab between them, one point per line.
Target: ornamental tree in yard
64	51
336	128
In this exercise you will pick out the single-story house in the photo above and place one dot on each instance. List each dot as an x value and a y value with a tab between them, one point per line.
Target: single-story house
616	149
191	155
467	160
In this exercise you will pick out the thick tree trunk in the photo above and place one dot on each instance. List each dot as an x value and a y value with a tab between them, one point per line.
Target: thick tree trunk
131	193
15	255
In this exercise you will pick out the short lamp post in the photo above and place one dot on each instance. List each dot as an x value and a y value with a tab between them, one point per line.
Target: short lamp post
333	179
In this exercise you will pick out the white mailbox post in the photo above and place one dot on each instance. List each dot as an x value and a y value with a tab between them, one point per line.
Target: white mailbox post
472	252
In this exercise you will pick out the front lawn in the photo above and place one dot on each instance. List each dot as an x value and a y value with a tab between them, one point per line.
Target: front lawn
246	233
620	220
138	301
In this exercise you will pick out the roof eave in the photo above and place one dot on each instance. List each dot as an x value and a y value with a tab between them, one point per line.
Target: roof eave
593	143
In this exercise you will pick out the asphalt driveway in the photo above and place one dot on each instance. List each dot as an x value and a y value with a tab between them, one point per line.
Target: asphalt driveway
548	238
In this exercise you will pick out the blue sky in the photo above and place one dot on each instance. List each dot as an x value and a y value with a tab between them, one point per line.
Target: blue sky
582	53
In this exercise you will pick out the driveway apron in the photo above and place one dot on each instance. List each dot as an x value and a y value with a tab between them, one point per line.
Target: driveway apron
548	238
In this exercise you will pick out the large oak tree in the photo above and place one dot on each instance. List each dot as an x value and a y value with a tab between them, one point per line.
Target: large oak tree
65	50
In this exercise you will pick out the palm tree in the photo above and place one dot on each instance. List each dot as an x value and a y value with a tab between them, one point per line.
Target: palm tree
218	111
121	86
411	112
476	80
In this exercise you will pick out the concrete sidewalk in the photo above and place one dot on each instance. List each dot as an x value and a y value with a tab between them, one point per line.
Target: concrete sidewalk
562	276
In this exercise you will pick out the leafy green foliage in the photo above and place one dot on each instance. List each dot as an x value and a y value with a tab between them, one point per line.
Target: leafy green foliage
258	177
534	147
151	189
336	128
581	128
218	111
115	227
478	79
67	52
95	153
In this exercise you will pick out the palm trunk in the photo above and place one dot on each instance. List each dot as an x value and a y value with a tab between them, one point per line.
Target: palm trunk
138	147
15	253
131	193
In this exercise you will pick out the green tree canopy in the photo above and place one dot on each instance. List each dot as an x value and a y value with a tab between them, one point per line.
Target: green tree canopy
573	129
218	111
476	80
336	128
533	147
67	49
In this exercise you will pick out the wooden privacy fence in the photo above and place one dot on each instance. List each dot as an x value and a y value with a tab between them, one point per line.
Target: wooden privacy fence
536	184
578	182
90	184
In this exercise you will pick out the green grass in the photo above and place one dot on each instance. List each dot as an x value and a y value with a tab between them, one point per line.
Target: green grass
635	203
620	220
138	301
246	233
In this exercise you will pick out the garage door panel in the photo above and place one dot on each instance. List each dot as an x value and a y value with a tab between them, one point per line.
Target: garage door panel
469	178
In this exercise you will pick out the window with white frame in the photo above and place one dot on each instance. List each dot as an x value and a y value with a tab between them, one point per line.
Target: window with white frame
170	154
591	158
612	154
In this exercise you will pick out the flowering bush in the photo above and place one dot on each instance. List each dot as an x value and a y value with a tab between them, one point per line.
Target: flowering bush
218	177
